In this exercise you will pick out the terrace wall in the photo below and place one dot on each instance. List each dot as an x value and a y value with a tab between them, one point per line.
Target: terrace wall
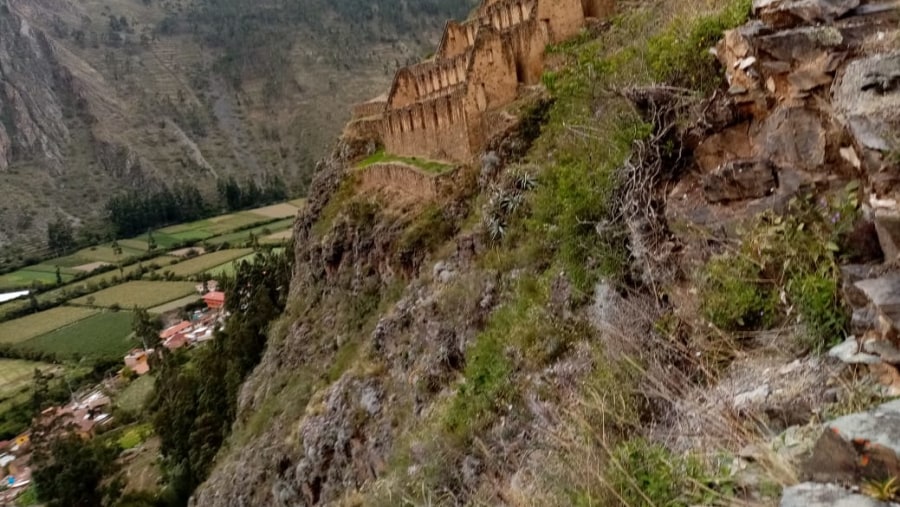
367	109
436	109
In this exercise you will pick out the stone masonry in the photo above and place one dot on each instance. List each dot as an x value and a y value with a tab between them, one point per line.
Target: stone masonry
437	109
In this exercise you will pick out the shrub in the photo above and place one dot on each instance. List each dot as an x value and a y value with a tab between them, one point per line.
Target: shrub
792	258
680	55
733	298
646	474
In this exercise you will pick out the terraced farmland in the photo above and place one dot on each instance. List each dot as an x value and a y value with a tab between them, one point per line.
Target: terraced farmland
16	375
143	294
26	328
101	336
204	262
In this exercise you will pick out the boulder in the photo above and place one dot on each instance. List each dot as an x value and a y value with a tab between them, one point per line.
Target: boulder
787	13
887	225
851	352
792	138
884	294
811	494
858	447
740	180
731	143
868	98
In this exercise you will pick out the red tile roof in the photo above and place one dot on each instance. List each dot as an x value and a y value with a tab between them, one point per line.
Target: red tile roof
215	296
177	328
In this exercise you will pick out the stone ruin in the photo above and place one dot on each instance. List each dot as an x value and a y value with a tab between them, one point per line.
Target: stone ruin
440	109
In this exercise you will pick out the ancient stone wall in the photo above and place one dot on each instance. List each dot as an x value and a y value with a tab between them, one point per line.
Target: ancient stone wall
399	177
436	128
367	109
436	109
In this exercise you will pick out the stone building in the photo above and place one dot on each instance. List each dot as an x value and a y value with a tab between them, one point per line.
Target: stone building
440	108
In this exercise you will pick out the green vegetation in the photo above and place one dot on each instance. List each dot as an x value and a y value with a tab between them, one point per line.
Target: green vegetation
678	55
134	398
429	166
643	474
141	294
100	337
134	436
29	327
175	305
195	398
798	252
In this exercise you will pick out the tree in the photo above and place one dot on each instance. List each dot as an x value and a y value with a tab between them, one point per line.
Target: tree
40	390
151	242
69	471
146	329
59	280
60	236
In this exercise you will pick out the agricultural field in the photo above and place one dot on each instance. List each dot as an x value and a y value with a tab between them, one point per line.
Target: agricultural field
26	328
12	306
108	277
102	336
16	375
241	237
284	210
298	203
204	262
204	229
175	305
227	269
278	237
42	274
143	294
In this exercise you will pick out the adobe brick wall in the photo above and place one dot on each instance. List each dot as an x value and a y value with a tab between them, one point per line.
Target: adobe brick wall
367	109
437	109
399	177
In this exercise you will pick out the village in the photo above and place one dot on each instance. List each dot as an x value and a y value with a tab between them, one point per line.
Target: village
89	411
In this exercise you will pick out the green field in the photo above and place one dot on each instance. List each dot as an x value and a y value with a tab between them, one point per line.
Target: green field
135	396
240	237
175	305
103	336
204	262
16	375
20	330
204	229
25	278
143	294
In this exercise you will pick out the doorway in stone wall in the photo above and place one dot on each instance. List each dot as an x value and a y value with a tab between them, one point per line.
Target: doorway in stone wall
520	71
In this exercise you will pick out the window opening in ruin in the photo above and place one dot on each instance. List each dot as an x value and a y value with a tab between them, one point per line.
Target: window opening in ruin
520	72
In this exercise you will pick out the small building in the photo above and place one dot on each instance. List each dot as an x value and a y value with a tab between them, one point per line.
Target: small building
138	361
179	328
176	342
215	300
209	286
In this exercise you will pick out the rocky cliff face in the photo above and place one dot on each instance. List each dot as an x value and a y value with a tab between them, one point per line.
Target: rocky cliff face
34	86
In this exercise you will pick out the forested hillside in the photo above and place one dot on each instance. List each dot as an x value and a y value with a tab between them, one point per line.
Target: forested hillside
126	95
